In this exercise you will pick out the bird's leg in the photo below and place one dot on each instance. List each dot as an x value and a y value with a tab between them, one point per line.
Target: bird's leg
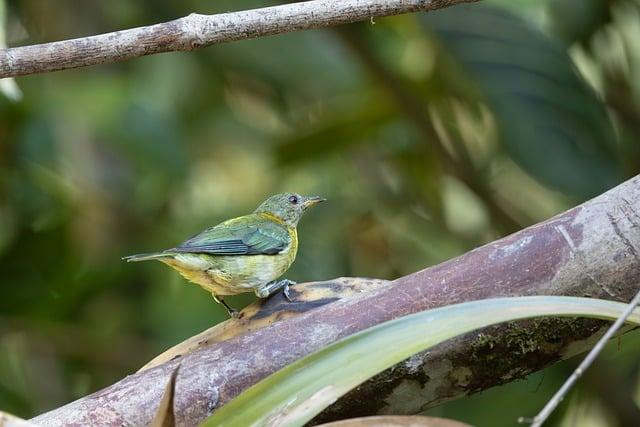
231	311
275	285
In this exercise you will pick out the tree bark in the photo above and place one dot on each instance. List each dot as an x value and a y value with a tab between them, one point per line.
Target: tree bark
591	250
196	30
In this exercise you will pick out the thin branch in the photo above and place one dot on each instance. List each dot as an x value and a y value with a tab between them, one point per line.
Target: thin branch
553	403
196	30
596	254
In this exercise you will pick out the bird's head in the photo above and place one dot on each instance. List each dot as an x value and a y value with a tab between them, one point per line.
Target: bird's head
288	206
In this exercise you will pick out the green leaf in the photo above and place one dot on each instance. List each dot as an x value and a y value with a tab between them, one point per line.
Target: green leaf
301	390
550	121
396	421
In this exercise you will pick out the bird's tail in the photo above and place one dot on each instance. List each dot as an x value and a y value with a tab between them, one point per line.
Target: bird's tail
146	257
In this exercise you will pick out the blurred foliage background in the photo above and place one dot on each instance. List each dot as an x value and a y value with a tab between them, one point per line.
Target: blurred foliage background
429	134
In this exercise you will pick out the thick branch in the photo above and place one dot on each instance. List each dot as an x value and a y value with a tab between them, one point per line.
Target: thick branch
591	250
197	30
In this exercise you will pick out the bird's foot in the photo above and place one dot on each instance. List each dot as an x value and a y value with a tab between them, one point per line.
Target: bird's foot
232	312
275	285
285	289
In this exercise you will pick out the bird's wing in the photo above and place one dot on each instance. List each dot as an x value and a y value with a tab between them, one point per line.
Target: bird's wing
247	235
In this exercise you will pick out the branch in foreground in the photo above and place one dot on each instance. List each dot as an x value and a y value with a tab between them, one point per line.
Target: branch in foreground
195	31
591	250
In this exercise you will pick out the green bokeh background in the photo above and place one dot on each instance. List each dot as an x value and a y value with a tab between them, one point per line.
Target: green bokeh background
429	134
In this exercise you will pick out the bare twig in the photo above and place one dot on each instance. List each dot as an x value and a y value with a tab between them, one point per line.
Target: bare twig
8	87
198	30
584	365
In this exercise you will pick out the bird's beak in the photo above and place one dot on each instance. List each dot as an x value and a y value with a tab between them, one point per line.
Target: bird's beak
312	200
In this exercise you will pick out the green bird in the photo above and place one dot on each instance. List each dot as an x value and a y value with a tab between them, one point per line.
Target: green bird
243	254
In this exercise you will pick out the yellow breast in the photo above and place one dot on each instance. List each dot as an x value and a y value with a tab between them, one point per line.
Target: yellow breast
292	251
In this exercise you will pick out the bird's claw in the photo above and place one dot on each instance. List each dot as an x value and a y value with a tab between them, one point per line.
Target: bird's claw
232	312
285	289
272	287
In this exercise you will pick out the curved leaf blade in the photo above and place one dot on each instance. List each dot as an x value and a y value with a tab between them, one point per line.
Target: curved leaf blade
396	421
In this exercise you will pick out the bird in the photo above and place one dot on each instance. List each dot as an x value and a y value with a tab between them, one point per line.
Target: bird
244	254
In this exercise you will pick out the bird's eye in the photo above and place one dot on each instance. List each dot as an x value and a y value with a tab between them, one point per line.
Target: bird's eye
293	200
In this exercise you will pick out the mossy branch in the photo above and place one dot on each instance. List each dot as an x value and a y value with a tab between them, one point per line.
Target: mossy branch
591	250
